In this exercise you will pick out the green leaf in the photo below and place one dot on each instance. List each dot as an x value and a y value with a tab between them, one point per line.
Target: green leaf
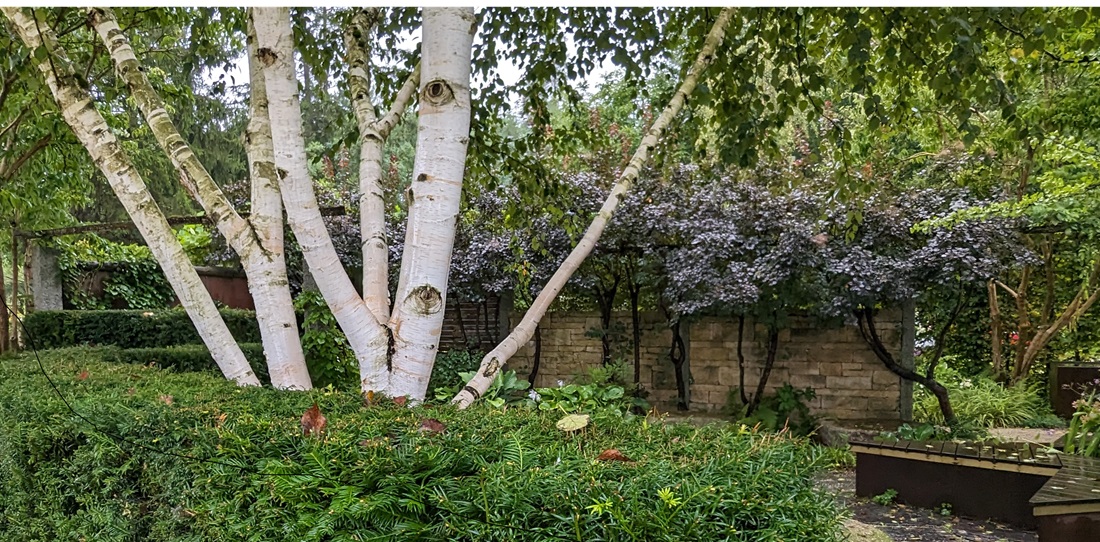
572	422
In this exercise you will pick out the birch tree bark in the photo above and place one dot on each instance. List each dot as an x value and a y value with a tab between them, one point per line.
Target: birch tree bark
496	358
373	132
434	196
266	268
91	129
257	241
368	338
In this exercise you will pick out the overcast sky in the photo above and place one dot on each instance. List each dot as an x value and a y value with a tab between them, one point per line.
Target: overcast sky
509	72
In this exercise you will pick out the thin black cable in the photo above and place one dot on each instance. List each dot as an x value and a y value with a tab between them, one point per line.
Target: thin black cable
119	438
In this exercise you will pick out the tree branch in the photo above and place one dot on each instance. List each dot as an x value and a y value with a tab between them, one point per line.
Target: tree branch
11	170
1010	291
941	337
400	103
1048	54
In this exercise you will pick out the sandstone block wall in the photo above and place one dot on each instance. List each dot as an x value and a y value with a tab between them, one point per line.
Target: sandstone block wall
850	382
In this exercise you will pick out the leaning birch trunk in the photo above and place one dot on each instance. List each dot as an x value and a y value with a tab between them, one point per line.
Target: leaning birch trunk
495	359
92	131
367	337
265	269
434	197
372	135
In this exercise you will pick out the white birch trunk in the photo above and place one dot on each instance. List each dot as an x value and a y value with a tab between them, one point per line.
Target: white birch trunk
264	268
523	332
91	129
435	194
367	337
267	278
372	136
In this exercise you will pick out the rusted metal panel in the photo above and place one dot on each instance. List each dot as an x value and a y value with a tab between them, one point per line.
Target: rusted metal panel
231	291
972	491
1070	528
1066	380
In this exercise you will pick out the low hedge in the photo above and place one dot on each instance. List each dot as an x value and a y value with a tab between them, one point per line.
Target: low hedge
188	357
376	474
129	328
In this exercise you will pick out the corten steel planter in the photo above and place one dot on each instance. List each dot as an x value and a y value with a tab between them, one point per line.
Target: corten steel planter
931	473
1067	378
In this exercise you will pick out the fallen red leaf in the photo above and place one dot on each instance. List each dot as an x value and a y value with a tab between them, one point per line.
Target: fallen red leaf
432	425
83	375
400	401
612	455
313	422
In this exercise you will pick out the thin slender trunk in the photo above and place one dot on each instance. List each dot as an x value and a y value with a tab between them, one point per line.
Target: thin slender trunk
1080	304
605	299
678	355
367	337
995	331
6	318
91	130
1047	313
537	359
741	359
1023	324
867	330
434	196
462	326
636	325
495	359
769	363
373	132
262	258
488	327
14	303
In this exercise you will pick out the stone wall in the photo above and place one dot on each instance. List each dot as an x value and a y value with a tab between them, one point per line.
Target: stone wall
850	382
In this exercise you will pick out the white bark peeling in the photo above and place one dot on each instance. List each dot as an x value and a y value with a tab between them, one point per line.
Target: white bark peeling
266	270
443	134
92	131
367	338
523	332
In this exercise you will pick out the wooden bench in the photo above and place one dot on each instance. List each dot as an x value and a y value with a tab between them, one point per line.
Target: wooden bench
983	480
1068	505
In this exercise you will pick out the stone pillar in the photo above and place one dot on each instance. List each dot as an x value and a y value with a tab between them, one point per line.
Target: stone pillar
908	348
46	277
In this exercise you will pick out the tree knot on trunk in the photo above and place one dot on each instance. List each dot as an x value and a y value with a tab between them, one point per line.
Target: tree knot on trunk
266	56
438	93
425	300
492	368
93	17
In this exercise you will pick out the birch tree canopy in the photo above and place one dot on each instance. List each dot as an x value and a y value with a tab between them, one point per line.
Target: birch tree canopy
714	86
